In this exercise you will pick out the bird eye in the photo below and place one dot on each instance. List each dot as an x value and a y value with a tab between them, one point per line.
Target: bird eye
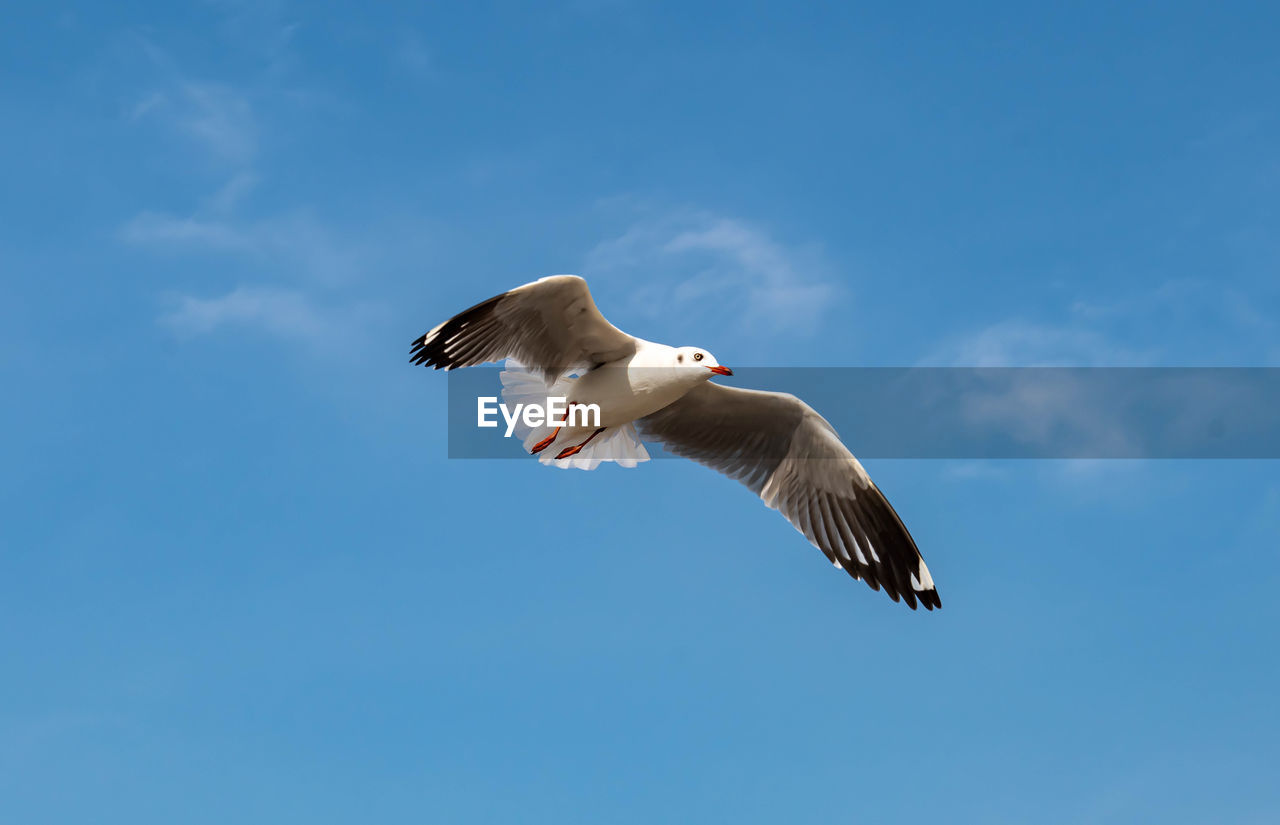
697	356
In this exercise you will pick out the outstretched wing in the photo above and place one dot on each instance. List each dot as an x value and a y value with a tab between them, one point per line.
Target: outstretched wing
792	458
551	326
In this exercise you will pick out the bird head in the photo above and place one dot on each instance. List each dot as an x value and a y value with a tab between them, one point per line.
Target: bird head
694	358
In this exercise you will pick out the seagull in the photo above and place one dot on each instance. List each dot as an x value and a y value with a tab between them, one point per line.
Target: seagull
555	342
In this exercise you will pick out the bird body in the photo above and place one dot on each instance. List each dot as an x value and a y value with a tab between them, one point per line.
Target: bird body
639	384
557	344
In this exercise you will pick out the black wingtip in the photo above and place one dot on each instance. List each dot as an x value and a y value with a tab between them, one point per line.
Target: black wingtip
429	350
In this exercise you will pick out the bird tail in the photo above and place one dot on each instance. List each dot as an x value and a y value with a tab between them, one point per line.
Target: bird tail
620	445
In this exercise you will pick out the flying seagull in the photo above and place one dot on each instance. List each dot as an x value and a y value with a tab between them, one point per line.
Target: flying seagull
556	343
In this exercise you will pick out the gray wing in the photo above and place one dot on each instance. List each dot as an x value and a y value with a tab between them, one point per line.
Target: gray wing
551	326
792	458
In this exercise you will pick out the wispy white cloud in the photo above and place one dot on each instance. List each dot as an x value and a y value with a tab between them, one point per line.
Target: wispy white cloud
288	313
1054	409
300	276
328	327
1020	343
296	247
219	117
1048	408
146	104
1219	325
162	230
231	193
216	117
687	256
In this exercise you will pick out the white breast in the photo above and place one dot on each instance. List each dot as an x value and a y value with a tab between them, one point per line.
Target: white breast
635	386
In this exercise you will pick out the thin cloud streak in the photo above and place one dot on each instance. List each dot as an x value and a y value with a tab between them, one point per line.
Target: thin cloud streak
331	330
158	229
287	313
1020	343
1231	329
296	272
297	247
689	256
1095	335
216	117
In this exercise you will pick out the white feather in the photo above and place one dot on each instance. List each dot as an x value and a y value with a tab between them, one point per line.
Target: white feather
620	445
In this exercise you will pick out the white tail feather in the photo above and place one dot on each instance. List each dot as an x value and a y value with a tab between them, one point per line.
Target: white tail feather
520	386
620	445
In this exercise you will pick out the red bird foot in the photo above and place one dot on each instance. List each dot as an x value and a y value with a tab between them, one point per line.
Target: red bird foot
545	443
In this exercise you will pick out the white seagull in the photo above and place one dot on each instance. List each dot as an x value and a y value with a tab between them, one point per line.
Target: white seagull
556	343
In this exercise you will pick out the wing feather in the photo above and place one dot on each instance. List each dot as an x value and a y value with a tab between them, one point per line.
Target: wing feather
792	458
551	326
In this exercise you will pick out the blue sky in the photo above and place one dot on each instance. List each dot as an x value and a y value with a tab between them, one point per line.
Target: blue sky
240	582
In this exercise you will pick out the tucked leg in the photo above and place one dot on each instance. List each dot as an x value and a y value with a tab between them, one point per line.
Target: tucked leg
545	443
571	451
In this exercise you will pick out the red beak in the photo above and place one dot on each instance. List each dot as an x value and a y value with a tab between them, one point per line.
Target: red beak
721	370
